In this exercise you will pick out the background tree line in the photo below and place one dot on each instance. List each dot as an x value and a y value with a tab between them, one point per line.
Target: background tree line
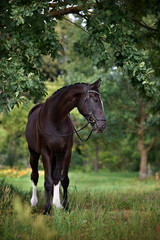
110	39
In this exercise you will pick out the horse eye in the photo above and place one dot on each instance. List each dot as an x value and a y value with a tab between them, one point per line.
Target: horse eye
96	100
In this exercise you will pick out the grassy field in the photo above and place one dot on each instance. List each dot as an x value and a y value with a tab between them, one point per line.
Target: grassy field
102	206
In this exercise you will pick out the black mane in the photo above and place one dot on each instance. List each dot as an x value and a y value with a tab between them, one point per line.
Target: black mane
59	91
65	87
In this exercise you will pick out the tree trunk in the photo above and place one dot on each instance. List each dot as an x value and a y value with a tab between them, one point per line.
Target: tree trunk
91	159
143	152
143	159
96	167
141	145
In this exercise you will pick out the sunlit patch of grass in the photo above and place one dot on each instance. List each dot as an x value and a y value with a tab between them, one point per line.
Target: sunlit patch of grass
101	182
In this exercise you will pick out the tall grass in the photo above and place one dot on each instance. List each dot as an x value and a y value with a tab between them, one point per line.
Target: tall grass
123	213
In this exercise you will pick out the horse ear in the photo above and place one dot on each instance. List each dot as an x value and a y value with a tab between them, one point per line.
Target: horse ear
96	84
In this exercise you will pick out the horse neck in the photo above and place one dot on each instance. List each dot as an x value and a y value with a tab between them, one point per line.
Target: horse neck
61	105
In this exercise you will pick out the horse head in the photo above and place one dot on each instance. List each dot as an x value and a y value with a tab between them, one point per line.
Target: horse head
91	106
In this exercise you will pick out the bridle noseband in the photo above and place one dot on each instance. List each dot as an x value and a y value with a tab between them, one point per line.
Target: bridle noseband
90	117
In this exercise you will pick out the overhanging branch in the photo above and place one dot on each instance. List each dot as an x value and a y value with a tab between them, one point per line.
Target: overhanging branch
77	9
144	25
65	11
76	25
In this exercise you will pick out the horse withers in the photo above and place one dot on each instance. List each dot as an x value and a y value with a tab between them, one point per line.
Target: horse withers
49	133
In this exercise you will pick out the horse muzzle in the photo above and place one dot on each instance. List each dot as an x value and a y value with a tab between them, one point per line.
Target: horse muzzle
99	126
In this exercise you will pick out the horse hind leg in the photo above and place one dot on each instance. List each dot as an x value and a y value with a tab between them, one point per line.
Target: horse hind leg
34	199
34	157
47	164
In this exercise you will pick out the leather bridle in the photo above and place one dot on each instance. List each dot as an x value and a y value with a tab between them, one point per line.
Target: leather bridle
90	116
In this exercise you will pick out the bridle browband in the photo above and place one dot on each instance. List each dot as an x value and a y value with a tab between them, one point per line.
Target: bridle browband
90	118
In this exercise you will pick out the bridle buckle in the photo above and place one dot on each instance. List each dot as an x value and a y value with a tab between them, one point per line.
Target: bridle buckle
91	119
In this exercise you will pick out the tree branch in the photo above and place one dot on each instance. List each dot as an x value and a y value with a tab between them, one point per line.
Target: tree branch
76	25
144	25
152	144
102	38
77	9
65	11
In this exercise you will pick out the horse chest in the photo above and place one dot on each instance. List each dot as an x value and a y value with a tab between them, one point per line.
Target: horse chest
59	144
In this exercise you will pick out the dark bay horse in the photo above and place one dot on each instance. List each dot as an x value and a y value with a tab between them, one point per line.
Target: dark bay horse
50	131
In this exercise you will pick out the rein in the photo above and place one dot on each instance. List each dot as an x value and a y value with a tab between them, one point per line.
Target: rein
76	131
68	134
83	140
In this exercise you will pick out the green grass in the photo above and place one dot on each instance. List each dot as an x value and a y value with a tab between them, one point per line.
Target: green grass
102	206
101	181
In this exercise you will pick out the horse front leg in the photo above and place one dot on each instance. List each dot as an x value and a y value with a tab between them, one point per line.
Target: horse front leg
65	179
56	181
65	184
47	163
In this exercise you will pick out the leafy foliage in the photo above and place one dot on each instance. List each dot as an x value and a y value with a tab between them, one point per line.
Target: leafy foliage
111	24
13	148
27	32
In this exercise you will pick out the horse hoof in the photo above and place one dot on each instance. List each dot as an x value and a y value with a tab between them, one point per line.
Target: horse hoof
57	204
45	213
66	206
34	202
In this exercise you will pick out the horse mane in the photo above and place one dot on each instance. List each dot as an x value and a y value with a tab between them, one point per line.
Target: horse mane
60	90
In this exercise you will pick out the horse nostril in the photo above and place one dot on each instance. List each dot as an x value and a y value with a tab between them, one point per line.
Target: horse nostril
103	127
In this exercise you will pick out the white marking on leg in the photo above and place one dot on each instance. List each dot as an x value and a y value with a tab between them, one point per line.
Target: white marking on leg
34	199
56	198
